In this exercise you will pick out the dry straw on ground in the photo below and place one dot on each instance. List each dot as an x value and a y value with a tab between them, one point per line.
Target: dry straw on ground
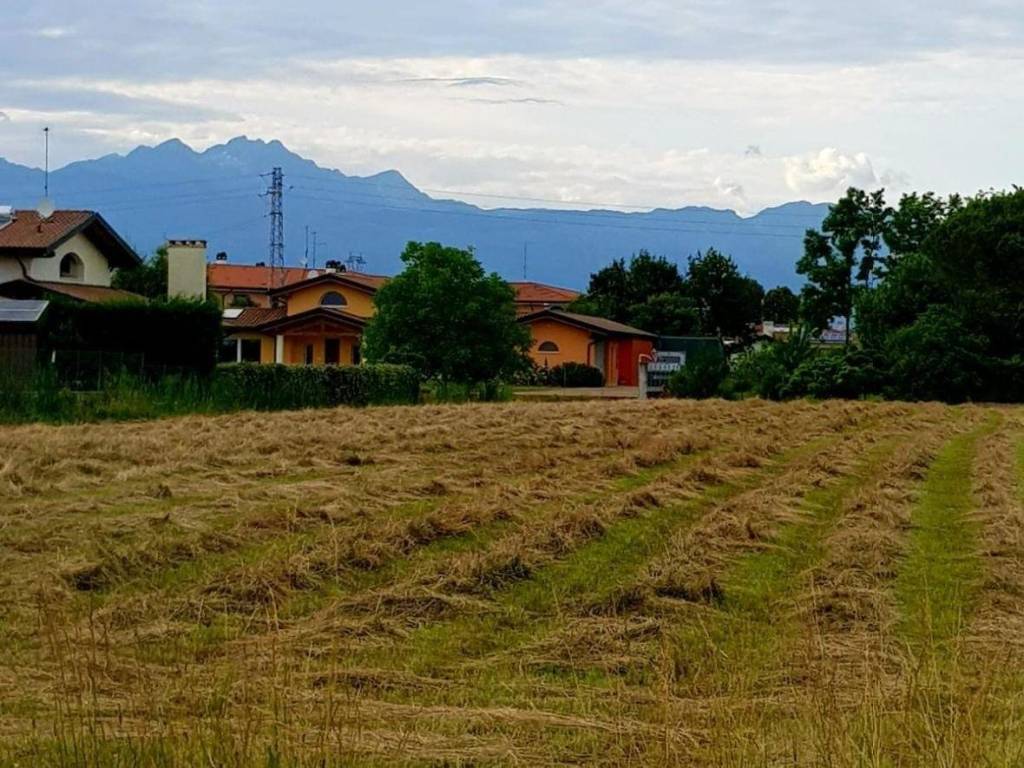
564	583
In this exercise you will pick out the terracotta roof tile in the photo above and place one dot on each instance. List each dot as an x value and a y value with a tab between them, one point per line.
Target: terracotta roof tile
539	293
255	277
92	293
600	324
251	317
28	230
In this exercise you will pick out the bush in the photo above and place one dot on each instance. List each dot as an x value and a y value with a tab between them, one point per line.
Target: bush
176	335
232	387
701	377
254	385
576	375
832	373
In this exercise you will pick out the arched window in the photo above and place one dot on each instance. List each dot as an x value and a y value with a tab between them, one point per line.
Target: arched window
71	267
548	346
332	299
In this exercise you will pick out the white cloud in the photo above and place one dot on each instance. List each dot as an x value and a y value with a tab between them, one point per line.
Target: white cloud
54	33
827	171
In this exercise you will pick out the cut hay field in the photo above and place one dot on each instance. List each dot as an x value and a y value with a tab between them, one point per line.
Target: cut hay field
618	583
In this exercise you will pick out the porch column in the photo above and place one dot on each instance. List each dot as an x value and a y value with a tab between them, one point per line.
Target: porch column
279	348
238	350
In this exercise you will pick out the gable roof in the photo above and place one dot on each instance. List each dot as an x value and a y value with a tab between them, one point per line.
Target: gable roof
253	317
529	292
599	325
316	313
29	234
22	288
368	283
257	277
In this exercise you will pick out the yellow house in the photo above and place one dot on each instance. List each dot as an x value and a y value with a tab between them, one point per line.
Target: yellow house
316	321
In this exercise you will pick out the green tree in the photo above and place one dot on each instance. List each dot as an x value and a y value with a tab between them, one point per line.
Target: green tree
147	279
978	253
667	314
447	317
781	305
618	289
729	303
847	251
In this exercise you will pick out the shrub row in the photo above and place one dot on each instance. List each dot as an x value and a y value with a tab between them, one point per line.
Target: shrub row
565	375
124	395
255	385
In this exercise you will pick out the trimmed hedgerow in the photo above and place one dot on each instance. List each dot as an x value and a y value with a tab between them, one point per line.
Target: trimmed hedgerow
272	387
176	335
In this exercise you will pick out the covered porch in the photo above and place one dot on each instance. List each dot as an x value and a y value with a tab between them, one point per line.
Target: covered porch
320	336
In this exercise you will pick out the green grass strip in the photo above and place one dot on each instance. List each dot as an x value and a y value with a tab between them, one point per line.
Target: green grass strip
941	570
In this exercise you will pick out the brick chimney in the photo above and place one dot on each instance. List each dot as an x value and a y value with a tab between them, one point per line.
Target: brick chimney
186	269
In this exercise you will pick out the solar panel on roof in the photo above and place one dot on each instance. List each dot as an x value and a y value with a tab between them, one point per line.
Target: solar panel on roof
22	310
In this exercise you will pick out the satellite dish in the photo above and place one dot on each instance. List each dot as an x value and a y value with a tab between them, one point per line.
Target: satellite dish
45	208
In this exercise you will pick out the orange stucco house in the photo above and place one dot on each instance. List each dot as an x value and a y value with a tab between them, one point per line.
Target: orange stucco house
317	316
313	316
614	348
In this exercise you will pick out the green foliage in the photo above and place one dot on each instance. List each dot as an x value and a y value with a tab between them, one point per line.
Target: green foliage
448	318
834	373
729	303
701	377
176	335
765	371
575	375
147	279
780	305
272	387
231	387
667	314
938	357
649	293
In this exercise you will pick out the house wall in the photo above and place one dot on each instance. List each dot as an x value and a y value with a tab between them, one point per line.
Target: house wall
96	268
295	348
573	343
359	302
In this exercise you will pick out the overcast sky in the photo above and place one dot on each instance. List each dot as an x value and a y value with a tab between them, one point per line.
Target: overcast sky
739	104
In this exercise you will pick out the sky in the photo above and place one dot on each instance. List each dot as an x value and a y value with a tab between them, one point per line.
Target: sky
639	103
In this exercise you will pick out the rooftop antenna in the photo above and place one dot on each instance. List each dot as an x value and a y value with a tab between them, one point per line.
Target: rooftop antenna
46	208
305	252
355	262
525	250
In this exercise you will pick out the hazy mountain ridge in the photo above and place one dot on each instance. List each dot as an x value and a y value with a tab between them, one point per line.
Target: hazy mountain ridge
171	190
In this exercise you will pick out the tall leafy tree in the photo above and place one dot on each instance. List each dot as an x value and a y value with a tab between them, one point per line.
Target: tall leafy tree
781	305
729	302
446	316
846	252
618	289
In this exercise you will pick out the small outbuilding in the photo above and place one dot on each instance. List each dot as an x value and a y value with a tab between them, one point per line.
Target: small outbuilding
613	348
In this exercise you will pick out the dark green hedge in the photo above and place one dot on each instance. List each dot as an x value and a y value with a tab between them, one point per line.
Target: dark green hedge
157	337
272	387
576	375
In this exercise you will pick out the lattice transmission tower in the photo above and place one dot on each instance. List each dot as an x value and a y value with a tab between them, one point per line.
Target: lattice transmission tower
275	255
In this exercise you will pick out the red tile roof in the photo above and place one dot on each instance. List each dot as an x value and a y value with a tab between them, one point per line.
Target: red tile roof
539	293
251	317
91	293
253	277
29	231
591	322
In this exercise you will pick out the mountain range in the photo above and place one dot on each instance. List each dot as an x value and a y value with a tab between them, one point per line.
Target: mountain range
172	191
